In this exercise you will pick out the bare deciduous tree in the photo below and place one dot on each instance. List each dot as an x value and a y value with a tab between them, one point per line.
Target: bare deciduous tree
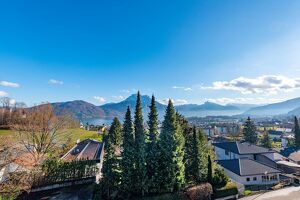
39	128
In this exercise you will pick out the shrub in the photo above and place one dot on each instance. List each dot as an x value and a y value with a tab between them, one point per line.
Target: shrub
220	179
228	190
247	192
199	192
173	196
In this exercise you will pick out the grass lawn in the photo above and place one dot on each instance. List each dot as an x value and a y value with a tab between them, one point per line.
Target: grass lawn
5	132
75	134
72	135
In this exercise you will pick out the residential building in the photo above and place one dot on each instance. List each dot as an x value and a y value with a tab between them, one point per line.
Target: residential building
248	164
88	149
250	172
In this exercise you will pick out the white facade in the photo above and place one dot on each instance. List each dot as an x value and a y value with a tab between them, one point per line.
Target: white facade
223	154
261	179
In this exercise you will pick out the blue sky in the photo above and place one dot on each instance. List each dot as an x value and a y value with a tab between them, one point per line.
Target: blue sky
190	51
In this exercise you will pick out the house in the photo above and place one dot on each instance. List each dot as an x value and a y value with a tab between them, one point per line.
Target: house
235	150
250	172
88	149
292	154
248	164
22	162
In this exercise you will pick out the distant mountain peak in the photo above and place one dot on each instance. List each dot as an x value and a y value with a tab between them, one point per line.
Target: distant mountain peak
134	96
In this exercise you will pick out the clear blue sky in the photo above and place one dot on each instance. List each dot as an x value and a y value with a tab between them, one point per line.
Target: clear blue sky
191	51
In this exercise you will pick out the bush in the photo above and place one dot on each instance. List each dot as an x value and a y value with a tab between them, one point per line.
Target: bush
228	190
199	192
173	196
220	179
247	192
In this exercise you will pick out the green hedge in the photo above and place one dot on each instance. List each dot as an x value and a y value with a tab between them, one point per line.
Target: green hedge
228	190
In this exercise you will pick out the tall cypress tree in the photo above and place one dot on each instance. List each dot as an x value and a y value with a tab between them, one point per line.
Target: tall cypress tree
128	151
297	133
140	155
249	131
115	131
187	130
171	146
111	168
151	151
198	168
209	170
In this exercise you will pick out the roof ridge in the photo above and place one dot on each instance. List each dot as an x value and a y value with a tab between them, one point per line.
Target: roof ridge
83	150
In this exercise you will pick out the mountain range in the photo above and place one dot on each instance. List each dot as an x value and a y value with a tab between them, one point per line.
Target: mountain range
84	110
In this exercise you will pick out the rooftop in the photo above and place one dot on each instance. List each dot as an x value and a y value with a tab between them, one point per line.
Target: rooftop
246	167
242	148
291	153
88	149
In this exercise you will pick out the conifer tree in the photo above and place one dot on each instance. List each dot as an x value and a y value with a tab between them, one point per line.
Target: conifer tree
152	155
111	168
140	147
115	132
249	132
187	130
198	161
128	151
266	140
209	170
297	133
171	146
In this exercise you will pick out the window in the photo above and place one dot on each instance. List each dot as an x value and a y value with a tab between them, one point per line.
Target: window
273	177
269	178
248	179
226	152
265	178
254	178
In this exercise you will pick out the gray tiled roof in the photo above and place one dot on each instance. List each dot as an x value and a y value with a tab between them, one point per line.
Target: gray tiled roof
291	153
86	150
242	148
246	167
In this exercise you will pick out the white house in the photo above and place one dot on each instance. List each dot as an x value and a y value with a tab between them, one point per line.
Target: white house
247	164
250	172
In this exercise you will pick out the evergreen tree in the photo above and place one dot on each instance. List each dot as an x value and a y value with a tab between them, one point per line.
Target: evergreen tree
171	144
197	169
187	130
266	140
209	170
140	147
151	152
249	132
115	131
297	133
111	168
128	151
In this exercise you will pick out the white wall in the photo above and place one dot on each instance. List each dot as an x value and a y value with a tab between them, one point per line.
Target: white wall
269	155
243	179
221	155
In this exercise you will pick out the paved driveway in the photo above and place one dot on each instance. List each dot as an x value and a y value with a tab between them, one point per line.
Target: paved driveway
290	193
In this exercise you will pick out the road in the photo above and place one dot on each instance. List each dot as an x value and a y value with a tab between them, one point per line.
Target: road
290	193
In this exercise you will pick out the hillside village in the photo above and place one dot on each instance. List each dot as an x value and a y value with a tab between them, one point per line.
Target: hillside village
221	156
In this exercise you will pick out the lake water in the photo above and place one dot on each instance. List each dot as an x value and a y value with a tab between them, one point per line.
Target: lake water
96	121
